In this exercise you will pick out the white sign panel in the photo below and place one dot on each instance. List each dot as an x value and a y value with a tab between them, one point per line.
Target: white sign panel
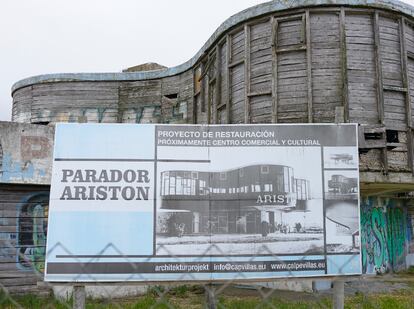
197	202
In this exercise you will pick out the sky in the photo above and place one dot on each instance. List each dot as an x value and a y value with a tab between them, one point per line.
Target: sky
57	36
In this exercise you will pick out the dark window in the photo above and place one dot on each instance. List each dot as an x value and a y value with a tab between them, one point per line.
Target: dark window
264	169
392	136
172	96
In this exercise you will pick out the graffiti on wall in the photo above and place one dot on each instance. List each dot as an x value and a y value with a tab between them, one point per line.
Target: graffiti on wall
411	227
31	231
26	153
93	115
24	166
384	235
17	170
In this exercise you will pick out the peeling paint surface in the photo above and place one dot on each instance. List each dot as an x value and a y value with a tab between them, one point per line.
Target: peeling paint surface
26	153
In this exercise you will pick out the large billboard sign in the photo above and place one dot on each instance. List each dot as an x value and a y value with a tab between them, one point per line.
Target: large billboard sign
198	202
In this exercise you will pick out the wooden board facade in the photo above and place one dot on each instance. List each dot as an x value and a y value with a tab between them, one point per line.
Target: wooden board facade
291	66
23	227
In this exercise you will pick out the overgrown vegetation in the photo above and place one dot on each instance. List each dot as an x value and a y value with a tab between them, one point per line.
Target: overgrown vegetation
192	297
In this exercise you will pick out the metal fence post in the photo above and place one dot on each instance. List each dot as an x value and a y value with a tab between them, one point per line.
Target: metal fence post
79	297
338	294
210	292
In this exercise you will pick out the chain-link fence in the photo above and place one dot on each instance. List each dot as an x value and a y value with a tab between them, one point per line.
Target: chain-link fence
138	290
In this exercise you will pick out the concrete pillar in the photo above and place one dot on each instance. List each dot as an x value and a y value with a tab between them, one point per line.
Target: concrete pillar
338	295
79	297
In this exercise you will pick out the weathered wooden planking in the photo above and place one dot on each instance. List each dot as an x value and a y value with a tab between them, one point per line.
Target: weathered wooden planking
140	102
390	51
74	96
212	98
409	38
410	67
197	110
326	61
394	110
292	87
133	94
205	88
290	32
261	108
237	106
261	57
24	290
185	96
17	245
237	46
171	85
360	44
22	100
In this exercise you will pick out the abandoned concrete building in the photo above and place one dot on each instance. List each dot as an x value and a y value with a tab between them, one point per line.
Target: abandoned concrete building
313	61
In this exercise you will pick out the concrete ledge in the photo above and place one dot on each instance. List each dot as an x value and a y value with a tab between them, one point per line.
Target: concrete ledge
65	292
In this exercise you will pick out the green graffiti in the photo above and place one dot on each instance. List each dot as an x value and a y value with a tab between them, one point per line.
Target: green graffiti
379	247
39	237
383	236
396	229
153	111
32	232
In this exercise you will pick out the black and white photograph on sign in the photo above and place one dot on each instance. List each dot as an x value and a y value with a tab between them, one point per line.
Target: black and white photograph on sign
342	226
260	201
340	157
341	185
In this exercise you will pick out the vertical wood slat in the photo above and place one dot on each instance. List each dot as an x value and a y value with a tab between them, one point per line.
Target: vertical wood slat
309	66
218	81
344	65
228	81
274	25
303	33
203	88
378	66
380	88
406	84
246	73
206	81
194	97
120	110
210	85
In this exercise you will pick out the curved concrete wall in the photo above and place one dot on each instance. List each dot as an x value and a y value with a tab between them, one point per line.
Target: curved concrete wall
312	61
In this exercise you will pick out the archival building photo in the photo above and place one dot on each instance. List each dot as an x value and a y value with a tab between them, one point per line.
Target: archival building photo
341	184
237	207
340	157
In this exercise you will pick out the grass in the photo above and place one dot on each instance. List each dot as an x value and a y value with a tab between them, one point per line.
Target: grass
408	271
192	297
